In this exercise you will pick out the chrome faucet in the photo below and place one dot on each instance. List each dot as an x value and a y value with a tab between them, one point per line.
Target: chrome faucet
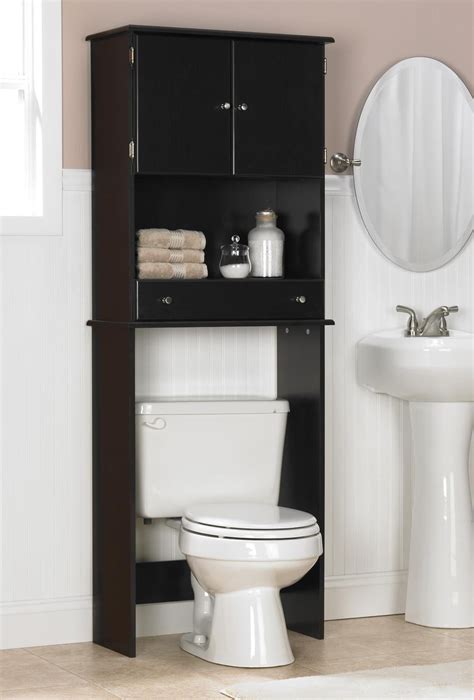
434	325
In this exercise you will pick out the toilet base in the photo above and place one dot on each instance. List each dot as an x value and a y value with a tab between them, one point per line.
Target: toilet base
248	630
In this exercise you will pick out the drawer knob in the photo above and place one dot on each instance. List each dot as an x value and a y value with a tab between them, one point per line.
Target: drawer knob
301	300
243	107
167	300
225	106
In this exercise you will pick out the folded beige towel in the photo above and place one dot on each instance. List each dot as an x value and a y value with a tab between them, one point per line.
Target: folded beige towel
171	271
165	255
164	238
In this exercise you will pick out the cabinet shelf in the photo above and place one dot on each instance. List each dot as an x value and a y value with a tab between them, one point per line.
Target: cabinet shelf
233	177
221	207
222	281
290	322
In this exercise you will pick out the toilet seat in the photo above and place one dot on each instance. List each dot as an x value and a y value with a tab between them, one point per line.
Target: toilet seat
195	544
249	521
249	532
252	516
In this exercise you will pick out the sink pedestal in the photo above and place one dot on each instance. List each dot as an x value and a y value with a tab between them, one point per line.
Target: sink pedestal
440	573
436	376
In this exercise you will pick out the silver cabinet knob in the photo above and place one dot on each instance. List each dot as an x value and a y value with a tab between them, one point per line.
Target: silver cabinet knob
243	107
301	300
167	300
225	106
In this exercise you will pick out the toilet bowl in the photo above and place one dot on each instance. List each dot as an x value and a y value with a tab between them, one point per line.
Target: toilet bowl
240	556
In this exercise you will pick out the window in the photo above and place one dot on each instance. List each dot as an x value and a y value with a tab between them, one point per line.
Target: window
30	117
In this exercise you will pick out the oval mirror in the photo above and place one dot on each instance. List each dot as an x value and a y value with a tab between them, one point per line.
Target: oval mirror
415	185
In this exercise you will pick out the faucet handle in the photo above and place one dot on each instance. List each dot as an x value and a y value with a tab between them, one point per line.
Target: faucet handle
443	326
412	325
405	309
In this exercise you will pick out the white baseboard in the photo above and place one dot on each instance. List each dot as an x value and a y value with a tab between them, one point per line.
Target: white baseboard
365	595
164	618
43	622
68	620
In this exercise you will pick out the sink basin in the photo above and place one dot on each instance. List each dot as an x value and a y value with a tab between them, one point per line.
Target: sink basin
436	376
418	369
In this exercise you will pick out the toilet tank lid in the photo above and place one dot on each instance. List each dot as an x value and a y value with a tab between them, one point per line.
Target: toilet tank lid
249	516
170	407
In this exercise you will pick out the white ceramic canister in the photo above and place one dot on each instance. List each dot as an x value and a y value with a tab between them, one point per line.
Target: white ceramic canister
266	243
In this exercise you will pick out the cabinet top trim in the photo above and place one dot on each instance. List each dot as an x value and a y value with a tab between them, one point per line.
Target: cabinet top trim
145	29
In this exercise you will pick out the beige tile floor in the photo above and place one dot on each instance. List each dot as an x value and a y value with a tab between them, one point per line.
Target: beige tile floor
162	670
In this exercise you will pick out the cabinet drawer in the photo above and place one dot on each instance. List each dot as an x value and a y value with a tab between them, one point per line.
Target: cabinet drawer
239	300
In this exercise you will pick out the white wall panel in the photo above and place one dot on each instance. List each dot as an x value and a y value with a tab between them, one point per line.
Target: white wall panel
156	541
203	362
46	427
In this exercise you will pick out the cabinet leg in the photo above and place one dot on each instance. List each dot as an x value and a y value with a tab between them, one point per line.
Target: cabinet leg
301	382
113	408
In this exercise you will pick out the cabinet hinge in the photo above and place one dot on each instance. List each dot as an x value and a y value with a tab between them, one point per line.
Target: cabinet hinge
131	55
325	156
131	150
325	66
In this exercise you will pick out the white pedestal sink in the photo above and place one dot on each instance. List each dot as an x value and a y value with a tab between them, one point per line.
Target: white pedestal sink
436	375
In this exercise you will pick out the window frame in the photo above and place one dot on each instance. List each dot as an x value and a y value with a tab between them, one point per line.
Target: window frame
49	223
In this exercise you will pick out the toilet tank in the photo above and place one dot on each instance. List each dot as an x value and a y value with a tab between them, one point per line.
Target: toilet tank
190	452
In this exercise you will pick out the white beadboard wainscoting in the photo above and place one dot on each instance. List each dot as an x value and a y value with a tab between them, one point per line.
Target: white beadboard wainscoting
46	421
46	529
368	439
206	362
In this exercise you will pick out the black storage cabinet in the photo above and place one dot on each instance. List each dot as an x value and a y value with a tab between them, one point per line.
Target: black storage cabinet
200	129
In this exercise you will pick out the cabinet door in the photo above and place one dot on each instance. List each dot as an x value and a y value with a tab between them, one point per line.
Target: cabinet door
182	86
279	108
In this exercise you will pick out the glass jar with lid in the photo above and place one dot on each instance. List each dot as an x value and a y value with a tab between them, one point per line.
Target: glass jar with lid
266	243
235	260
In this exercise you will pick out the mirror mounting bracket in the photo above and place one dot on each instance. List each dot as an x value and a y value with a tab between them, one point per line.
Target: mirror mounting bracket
340	162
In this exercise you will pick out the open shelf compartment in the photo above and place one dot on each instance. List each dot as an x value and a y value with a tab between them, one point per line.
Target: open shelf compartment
222	207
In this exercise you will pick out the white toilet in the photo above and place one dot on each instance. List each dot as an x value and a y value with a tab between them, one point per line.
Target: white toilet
218	464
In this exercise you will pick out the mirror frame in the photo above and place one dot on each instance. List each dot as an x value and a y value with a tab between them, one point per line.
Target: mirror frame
361	126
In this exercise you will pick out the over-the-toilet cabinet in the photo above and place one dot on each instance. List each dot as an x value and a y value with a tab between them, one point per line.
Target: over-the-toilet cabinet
218	106
200	129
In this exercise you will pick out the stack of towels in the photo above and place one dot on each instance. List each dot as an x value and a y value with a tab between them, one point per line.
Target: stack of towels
167	255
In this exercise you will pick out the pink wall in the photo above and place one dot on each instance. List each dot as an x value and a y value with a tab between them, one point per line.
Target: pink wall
370	36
